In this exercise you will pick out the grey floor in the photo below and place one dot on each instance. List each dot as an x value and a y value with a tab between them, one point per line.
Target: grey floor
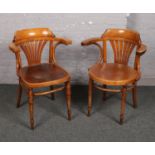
52	125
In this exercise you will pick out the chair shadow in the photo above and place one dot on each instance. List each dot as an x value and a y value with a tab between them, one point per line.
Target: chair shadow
79	102
79	98
51	108
99	107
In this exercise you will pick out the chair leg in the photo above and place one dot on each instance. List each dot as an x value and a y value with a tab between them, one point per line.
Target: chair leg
52	94
104	93
90	86
134	95
30	100
19	95
68	99
123	104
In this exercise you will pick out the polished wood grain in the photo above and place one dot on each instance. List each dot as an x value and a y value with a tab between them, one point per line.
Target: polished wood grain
37	74
113	74
43	75
118	73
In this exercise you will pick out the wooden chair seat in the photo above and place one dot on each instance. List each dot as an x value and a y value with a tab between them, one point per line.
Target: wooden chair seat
44	74
113	74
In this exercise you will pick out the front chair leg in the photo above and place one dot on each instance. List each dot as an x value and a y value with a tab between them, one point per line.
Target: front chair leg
30	100
123	104
104	92
19	95
52	94
134	95
68	98
90	87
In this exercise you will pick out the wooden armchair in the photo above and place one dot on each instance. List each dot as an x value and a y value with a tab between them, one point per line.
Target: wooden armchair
37	74
123	42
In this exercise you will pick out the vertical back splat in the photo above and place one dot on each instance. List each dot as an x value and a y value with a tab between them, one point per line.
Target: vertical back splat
33	50
122	50
123	42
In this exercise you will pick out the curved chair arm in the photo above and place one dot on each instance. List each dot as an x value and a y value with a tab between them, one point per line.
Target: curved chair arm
16	51
140	51
14	48
93	41
90	41
58	41
62	41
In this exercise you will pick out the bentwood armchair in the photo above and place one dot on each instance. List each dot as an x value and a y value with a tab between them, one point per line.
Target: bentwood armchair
102	74
37	74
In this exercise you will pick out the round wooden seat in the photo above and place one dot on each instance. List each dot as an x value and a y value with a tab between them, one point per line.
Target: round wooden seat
44	74
113	74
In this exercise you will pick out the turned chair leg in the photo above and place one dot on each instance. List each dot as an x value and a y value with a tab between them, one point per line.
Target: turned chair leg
52	94
68	98
123	104
19	95
90	87
134	95
104	93
30	100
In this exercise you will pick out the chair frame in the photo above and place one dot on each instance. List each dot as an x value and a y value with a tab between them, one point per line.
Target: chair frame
40	34
140	50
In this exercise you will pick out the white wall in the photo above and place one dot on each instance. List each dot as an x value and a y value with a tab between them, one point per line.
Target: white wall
145	24
77	27
74	58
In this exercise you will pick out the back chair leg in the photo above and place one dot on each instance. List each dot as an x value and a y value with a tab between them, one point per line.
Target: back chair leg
104	93
52	94
19	95
68	98
90	87
30	100
123	104
134	95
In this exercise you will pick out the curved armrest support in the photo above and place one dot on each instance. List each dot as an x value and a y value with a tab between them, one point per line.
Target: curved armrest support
94	41
58	41
140	51
16	51
62	41
14	48
90	41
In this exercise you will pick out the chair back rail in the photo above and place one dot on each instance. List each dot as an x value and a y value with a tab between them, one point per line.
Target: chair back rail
32	43
122	41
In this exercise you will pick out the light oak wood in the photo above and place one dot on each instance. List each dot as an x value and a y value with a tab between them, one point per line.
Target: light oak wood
19	95
68	98
90	96
123	104
118	73
37	74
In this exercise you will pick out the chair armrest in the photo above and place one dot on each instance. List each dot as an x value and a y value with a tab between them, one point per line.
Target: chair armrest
14	48
16	51
58	41
142	49
90	41
63	41
94	41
